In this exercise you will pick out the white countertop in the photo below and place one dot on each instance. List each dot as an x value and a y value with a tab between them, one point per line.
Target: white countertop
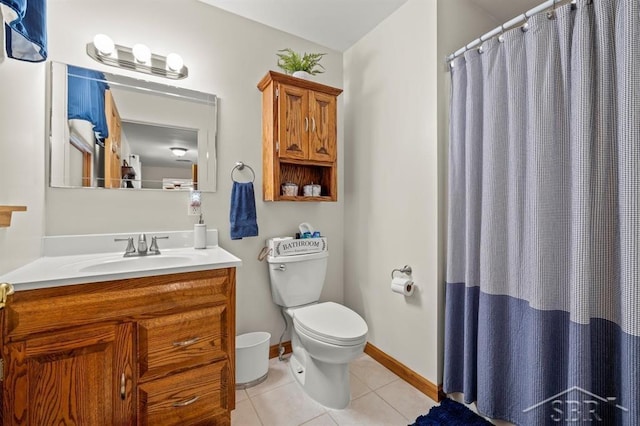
64	267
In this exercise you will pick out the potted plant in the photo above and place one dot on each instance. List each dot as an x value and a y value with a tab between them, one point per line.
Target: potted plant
302	66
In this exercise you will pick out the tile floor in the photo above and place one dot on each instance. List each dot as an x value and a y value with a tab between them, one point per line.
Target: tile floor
378	398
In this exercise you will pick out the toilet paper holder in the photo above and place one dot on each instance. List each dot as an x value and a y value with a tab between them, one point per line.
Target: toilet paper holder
405	270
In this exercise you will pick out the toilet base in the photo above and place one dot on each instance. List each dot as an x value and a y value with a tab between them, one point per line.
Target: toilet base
325	383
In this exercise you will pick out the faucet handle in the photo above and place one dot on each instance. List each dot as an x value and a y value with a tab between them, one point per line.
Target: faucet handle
154	244
130	247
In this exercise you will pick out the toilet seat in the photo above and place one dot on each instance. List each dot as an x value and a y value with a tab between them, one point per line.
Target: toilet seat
330	322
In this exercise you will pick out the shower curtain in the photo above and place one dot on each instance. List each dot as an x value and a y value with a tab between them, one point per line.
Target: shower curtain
542	322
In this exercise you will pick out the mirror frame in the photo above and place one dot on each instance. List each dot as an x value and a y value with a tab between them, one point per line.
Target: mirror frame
58	126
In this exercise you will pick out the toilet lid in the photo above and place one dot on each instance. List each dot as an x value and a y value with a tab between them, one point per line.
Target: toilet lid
330	322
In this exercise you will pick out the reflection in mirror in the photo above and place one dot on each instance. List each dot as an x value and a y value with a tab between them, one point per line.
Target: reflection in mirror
111	131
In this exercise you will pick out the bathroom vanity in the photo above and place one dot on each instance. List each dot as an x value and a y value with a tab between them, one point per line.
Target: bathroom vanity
156	349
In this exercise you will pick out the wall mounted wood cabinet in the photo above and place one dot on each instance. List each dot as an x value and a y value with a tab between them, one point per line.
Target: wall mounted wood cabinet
147	351
299	136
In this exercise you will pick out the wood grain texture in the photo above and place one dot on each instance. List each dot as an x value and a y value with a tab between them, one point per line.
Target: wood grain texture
66	349
36	311
157	399
67	378
181	340
112	144
270	173
272	76
299	137
230	378
293	122
405	373
323	130
5	214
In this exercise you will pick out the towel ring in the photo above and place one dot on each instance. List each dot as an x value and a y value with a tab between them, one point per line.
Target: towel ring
240	166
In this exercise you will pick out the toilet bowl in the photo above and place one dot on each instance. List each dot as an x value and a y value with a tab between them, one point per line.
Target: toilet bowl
326	336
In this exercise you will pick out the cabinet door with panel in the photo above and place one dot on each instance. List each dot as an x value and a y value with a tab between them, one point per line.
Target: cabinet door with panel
293	122
322	131
83	376
299	135
156	350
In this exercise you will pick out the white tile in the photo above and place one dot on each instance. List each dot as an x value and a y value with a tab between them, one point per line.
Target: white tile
371	373
244	415
369	410
286	405
357	387
323	420
279	375
241	395
406	399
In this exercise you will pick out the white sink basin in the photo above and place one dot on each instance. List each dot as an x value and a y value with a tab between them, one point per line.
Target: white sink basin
80	259
136	263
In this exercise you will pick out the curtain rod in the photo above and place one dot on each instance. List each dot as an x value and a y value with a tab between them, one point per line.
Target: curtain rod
507	25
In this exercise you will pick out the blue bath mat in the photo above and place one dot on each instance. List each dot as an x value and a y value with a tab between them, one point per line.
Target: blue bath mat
450	412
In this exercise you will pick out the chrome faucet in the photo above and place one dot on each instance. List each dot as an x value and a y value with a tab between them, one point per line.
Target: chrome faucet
142	245
143	249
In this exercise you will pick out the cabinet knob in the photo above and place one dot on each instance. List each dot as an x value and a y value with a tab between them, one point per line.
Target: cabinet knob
123	387
6	289
306	124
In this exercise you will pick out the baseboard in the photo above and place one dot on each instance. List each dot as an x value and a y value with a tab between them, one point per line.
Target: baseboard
273	350
405	373
432	390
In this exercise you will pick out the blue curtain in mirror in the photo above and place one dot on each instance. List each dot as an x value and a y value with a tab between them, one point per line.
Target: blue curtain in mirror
86	92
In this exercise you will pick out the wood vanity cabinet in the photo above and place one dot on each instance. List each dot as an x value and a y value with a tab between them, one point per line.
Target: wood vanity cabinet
147	351
299	136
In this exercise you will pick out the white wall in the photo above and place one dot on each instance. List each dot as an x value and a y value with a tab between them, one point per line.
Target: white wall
226	55
396	102
391	207
22	89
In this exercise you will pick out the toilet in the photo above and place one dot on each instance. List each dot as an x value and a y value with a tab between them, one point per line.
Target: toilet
326	336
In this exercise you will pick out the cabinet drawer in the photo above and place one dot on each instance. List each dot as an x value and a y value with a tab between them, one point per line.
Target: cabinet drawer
181	340
191	397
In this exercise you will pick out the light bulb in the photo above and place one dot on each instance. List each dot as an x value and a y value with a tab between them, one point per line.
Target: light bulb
141	53
174	62
104	44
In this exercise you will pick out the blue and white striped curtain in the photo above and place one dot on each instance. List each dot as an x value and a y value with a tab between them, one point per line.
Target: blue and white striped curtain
543	268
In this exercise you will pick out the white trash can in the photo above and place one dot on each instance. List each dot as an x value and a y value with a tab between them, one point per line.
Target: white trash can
252	358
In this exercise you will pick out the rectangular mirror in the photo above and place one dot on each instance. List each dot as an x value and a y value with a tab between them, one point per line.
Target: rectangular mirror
117	132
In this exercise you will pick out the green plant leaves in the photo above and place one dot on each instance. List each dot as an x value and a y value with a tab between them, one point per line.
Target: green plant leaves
291	61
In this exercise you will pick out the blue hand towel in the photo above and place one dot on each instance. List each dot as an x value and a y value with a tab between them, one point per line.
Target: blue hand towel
25	29
243	211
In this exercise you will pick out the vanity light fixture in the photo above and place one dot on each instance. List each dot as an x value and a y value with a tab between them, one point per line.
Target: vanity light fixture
138	58
178	152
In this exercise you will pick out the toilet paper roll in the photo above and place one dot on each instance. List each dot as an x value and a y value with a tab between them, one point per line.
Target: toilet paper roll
402	286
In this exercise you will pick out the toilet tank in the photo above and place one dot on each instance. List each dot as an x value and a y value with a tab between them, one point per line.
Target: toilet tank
297	280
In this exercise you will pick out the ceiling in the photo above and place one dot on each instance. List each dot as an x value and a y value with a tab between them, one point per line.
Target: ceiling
338	24
152	144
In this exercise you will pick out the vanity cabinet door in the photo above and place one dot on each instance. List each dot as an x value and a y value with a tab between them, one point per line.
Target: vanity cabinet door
83	376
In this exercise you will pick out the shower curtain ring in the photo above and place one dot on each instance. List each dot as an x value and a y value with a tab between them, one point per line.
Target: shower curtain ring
501	36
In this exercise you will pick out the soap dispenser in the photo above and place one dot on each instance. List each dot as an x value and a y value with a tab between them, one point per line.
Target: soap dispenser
200	234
